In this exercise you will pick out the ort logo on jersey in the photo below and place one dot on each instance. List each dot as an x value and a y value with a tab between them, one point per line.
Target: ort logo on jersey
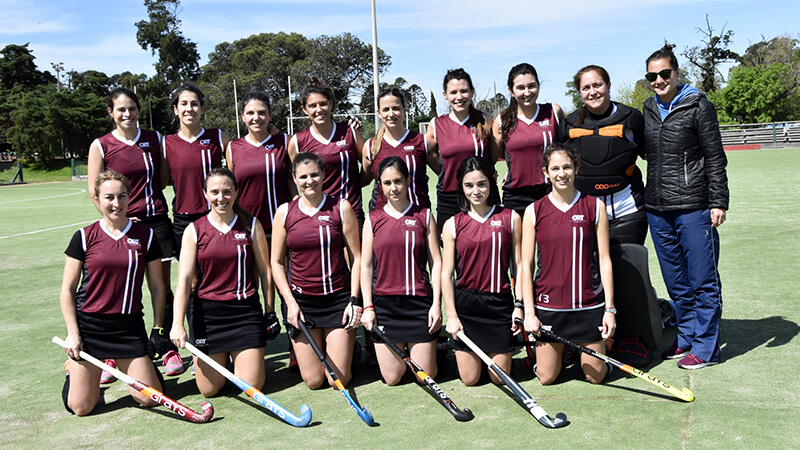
496	223
133	242
240	236
341	143
269	147
199	342
205	141
324	218
408	148
144	144
411	222
577	218
545	123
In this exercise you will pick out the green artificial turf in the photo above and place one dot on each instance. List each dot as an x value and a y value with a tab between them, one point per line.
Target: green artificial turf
748	401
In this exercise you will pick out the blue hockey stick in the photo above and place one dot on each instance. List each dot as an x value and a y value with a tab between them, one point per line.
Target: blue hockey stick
283	413
362	412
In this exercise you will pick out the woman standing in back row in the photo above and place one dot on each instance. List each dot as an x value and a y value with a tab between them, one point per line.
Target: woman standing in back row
393	139
686	197
190	154
138	155
463	132
523	131
338	144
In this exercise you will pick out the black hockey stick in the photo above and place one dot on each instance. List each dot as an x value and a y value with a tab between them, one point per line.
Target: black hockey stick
685	394
443	398
537	411
362	412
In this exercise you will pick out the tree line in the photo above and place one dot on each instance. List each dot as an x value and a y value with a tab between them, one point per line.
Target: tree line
40	114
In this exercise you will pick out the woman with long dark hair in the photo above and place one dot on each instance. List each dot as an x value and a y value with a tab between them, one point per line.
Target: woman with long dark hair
521	133
405	301
453	137
567	294
226	248
479	244
138	155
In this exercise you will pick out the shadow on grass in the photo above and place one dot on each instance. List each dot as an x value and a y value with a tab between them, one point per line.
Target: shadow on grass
740	336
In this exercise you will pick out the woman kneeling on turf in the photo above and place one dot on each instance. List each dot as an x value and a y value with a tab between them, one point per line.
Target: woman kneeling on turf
227	247
406	307
479	243
317	288
104	316
566	295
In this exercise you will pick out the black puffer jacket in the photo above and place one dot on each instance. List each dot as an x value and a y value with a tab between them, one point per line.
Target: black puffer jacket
685	159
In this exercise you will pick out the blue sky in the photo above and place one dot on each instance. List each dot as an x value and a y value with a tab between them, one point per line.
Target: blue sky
424	38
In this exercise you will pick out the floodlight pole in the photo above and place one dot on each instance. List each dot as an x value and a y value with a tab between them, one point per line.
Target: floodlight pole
236	109
375	74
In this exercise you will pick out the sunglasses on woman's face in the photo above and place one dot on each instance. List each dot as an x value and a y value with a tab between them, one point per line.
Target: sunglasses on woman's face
664	74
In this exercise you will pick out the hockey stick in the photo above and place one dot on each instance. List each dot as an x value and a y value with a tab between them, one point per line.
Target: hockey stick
685	394
283	413
147	391
362	412
443	398
534	408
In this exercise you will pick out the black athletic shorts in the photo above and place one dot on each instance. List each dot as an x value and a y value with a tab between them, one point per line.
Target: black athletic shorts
179	224
163	229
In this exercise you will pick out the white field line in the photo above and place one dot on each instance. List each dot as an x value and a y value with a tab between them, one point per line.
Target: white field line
47	229
80	191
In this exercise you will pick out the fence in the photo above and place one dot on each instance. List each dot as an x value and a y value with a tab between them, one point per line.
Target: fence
775	134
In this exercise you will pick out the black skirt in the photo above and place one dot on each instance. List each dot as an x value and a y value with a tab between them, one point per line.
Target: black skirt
404	318
113	336
583	326
486	319
226	326
323	311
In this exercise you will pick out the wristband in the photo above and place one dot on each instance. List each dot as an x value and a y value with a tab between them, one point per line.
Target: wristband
160	330
369	308
519	304
356	301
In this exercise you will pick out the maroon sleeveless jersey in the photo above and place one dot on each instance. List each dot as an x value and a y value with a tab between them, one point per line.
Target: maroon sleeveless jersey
141	163
565	279
483	247
225	259
263	172
456	142
316	248
525	147
340	156
113	267
413	150
189	163
401	240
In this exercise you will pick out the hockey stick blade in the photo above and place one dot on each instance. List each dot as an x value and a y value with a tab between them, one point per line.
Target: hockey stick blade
362	412
147	391
282	413
684	394
441	396
537	411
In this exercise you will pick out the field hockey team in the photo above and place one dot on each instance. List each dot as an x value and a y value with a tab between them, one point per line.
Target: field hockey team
284	214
